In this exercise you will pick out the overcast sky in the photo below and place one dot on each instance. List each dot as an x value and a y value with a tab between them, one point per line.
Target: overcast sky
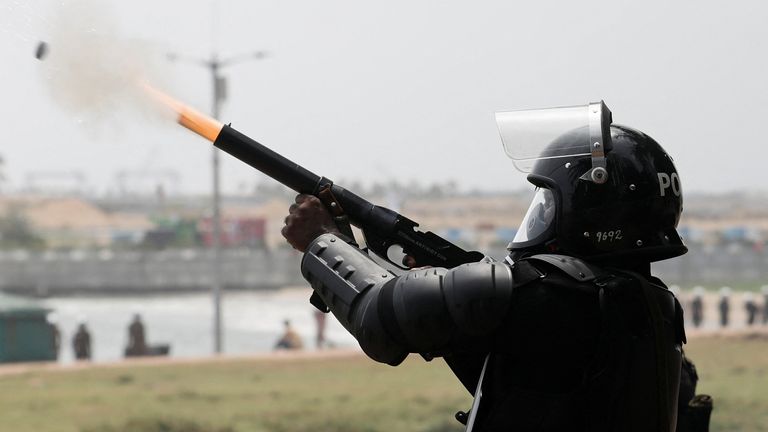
362	90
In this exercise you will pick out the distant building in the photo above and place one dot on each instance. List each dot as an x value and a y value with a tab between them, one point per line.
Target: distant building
75	223
272	214
235	232
484	221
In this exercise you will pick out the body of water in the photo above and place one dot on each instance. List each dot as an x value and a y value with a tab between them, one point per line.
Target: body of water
252	322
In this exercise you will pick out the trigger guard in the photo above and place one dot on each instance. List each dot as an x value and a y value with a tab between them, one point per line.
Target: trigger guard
385	262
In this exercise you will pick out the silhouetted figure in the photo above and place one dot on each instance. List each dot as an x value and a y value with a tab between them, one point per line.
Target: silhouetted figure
81	343
697	306
765	304
320	335
137	342
724	306
290	340
751	308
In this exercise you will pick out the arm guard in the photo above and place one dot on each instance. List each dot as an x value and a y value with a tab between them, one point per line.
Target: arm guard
421	311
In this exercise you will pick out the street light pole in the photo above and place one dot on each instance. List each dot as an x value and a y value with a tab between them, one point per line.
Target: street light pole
218	334
219	94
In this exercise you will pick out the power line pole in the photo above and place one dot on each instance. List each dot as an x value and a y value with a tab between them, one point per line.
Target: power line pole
215	65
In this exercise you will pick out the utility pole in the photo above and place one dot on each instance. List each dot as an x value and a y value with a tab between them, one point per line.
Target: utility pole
215	65
2	172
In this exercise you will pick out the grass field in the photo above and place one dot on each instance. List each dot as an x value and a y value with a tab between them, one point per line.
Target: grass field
734	370
344	394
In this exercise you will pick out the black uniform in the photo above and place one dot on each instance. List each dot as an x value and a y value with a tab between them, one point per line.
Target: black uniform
752	309
81	343
569	346
765	306
545	341
697	310
725	307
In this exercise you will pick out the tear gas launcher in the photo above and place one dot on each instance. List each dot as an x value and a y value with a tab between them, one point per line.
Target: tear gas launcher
387	233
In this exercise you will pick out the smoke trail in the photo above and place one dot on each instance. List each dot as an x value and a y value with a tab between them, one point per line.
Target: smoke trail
92	70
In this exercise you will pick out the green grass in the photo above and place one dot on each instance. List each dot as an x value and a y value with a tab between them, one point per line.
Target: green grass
338	395
330	395
735	287
735	372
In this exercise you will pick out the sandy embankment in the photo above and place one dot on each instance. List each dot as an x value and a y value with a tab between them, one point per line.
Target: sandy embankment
281	356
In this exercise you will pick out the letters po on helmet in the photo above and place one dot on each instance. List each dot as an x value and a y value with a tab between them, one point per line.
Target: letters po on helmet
604	191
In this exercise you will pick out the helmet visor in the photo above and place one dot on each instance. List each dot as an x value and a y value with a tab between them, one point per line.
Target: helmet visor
527	135
538	219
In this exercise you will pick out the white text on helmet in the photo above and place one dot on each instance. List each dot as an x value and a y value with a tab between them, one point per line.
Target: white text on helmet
669	180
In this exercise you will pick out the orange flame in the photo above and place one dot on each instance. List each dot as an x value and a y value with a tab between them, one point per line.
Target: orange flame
199	123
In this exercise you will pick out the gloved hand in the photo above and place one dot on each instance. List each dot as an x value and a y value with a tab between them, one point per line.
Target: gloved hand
307	219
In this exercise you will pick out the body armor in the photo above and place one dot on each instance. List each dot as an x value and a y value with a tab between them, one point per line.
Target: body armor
560	344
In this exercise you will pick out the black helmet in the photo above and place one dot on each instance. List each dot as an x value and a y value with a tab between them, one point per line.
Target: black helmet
618	197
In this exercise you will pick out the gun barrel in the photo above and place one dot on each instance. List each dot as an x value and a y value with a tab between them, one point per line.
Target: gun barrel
296	176
267	161
381	226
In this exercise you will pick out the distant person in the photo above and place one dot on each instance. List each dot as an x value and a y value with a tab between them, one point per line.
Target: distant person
697	306
320	335
724	305
137	342
751	308
81	343
765	304
290	340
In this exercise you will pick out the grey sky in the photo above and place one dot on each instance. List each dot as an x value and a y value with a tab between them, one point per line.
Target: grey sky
356	90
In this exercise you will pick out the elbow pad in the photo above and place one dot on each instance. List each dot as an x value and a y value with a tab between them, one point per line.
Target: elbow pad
478	295
425	309
349	283
420	311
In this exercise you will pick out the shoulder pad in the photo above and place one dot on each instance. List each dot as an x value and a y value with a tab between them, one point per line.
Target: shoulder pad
573	267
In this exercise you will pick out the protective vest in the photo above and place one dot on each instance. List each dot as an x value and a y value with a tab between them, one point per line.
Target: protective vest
583	349
560	344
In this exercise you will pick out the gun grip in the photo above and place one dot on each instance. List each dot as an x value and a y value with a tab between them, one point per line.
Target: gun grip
327	197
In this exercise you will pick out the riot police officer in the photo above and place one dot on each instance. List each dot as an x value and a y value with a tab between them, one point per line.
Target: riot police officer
724	306
570	331
751	308
697	306
764	290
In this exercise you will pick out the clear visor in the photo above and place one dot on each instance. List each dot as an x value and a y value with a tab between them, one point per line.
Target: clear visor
540	216
527	135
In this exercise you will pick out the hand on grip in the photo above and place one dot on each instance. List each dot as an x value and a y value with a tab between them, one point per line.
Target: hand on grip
307	219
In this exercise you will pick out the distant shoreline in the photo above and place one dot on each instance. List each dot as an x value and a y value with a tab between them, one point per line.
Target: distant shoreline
8	369
758	333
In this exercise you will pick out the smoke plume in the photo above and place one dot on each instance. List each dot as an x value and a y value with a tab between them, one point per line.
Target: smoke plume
92	70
